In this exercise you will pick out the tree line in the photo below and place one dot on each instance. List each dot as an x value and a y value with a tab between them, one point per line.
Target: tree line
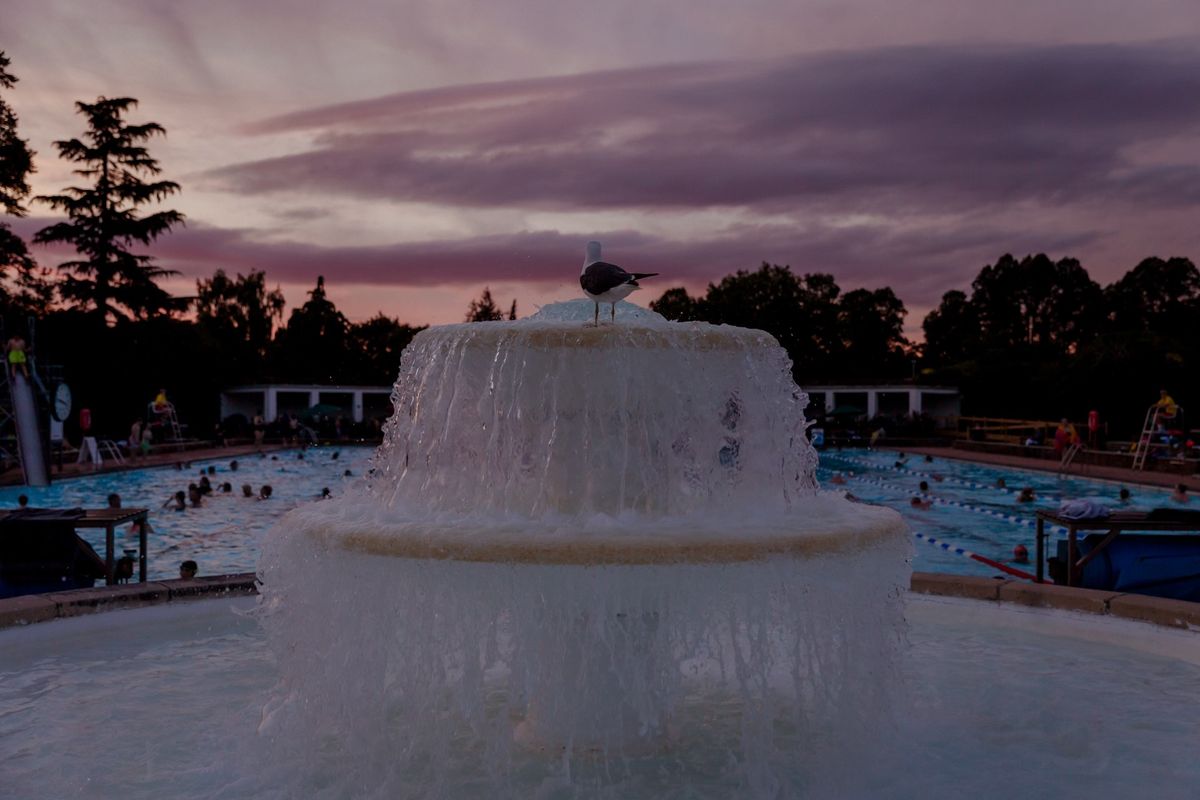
1035	338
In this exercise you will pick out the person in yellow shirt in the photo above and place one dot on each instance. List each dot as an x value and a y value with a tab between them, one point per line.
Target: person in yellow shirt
1166	404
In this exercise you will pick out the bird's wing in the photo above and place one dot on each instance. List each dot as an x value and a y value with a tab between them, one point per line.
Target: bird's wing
598	278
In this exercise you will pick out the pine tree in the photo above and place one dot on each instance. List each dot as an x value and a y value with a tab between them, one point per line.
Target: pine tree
104	218
484	309
32	292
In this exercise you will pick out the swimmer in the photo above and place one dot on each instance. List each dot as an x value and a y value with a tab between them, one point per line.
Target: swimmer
347	474
1001	483
924	505
923	486
1020	554
22	501
1180	495
188	569
1124	495
336	454
837	480
212	470
265	492
300	456
226	487
247	490
937	476
195	496
1027	495
325	493
233	465
177	502
274	458
205	486
114	500
928	459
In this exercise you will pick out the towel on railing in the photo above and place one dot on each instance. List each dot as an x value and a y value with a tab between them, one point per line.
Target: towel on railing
1083	509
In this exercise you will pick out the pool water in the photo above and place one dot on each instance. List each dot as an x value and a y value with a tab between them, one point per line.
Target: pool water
997	701
968	510
223	535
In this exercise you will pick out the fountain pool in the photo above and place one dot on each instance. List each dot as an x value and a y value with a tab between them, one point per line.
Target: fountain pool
995	701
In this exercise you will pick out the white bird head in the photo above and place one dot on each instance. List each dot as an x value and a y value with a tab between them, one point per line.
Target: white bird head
593	254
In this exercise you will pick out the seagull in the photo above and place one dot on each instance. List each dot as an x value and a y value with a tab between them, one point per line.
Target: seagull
607	283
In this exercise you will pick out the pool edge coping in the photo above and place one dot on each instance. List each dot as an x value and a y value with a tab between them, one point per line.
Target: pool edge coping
1179	614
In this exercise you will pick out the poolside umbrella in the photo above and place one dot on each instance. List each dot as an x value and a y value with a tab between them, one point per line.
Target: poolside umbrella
323	410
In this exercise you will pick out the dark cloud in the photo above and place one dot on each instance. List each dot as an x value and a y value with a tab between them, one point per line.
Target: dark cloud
916	130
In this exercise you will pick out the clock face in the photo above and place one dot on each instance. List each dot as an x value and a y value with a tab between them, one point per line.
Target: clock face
62	402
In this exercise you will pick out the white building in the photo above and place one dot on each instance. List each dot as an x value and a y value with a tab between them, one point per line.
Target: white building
939	402
270	400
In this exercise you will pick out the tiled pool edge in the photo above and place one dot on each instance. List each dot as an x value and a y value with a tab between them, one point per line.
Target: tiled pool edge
1157	611
28	609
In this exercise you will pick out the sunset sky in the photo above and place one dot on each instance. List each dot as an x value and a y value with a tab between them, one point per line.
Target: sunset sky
413	152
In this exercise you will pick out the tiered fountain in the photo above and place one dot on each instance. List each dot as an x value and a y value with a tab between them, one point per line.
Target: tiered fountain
587	559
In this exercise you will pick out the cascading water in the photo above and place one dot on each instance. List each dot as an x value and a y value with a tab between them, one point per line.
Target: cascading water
587	561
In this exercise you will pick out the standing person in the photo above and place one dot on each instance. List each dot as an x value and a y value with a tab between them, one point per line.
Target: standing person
16	356
135	437
1064	436
260	429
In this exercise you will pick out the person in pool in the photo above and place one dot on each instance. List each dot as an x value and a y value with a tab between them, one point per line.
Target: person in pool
1180	495
1027	495
188	569
923	486
178	501
1124	495
924	505
247	490
265	492
114	500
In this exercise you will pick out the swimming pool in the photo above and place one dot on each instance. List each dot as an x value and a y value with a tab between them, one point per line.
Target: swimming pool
222	536
968	509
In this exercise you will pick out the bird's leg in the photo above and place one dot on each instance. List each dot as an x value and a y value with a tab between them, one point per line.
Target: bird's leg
614	312
596	321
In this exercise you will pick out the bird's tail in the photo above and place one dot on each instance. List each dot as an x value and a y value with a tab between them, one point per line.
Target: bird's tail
637	276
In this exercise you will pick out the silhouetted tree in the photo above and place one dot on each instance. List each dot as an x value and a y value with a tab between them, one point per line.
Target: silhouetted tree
23	287
871	323
485	309
676	304
104	217
238	316
314	347
1035	303
1158	296
380	341
951	331
512	311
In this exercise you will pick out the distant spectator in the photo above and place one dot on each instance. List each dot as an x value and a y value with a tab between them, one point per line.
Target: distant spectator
114	500
1064	436
135	437
22	501
247	490
265	492
147	440
1180	495
188	570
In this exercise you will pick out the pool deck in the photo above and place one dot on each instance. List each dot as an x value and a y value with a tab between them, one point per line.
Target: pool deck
13	477
17	611
1095	471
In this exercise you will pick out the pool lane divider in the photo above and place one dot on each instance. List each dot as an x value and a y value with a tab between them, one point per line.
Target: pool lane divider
944	478
1014	519
953	548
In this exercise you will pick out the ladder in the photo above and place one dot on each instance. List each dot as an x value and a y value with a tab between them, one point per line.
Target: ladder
1068	458
8	413
1154	415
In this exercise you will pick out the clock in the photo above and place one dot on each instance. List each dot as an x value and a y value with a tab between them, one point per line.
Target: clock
62	402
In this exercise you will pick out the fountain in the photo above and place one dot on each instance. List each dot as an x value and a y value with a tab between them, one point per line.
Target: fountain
587	557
